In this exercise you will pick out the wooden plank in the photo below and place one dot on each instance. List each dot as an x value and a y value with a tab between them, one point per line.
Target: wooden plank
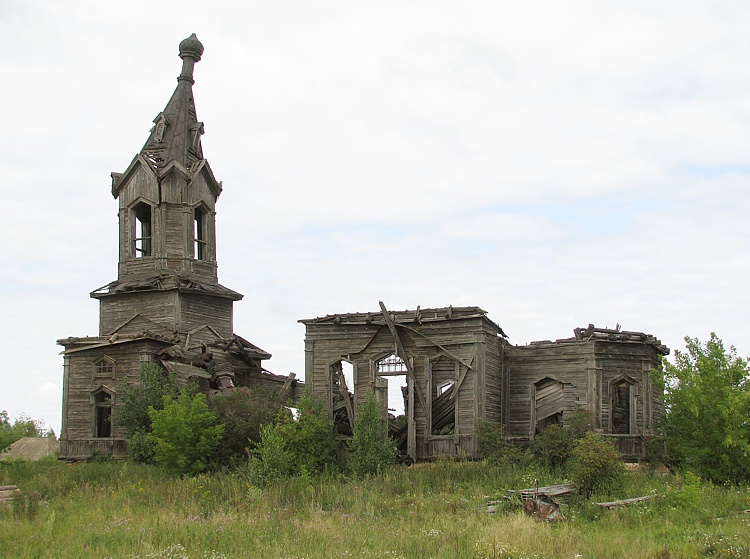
625	502
345	394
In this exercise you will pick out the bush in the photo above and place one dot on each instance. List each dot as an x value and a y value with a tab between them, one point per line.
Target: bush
553	446
371	451
596	465
493	446
22	426
155	384
302	446
185	433
242	412
311	436
271	459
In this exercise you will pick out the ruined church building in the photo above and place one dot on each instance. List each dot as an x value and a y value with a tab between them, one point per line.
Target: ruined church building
453	365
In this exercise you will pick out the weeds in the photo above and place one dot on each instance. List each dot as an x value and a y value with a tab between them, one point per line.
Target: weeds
428	510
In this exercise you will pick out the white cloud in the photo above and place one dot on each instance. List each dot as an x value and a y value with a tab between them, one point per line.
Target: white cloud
556	164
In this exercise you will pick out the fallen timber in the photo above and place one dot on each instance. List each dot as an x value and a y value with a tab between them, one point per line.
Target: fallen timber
625	502
550	491
8	492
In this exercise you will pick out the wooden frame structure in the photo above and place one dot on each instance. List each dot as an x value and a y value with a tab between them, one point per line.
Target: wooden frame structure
460	370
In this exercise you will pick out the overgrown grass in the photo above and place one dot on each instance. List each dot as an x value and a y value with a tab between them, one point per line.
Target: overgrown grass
428	510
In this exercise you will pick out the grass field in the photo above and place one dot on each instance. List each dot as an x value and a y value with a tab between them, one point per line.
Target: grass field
116	509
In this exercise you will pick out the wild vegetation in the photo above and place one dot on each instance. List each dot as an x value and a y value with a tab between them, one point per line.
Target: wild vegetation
289	489
22	426
115	509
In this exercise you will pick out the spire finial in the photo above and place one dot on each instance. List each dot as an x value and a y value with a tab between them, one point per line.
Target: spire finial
191	50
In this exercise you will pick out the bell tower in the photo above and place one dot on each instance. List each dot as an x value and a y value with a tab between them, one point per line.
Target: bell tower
167	270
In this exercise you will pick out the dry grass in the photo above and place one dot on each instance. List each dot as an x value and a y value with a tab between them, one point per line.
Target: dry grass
123	510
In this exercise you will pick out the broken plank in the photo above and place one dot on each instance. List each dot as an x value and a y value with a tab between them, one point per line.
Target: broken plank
625	502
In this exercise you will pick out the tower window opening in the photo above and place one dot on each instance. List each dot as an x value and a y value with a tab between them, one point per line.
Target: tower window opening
142	230
199	234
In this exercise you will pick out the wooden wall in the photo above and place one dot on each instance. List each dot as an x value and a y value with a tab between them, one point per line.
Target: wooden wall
80	381
455	350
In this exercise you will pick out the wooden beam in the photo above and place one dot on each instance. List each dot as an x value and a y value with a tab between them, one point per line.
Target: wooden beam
345	394
285	387
437	345
401	352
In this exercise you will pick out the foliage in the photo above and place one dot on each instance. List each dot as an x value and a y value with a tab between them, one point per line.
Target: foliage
311	436
707	394
123	509
596	465
271	459
494	446
185	433
242	412
155	384
371	451
291	447
553	446
22	426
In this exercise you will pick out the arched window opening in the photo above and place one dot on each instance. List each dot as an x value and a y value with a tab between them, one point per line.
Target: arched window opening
621	396
392	381
143	234
342	397
548	404
199	233
103	414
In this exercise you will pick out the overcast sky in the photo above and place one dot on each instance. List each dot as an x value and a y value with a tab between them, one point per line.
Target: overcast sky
555	163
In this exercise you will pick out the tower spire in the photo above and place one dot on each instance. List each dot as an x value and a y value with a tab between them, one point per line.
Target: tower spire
176	135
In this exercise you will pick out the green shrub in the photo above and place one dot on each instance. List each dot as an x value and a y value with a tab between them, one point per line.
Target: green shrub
295	446
371	451
242	412
493	445
553	446
271	459
311	436
185	433
596	465
155	383
22	426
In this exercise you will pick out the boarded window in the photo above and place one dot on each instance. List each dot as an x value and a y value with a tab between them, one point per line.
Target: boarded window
548	403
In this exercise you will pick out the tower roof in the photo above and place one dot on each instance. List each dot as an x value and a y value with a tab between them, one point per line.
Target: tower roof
176	135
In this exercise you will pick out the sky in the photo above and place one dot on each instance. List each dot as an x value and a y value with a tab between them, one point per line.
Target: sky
554	163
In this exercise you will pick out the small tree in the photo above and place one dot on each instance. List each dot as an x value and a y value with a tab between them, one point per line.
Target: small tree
371	451
155	384
707	394
185	433
22	426
305	445
553	446
242	412
493	445
311	436
596	465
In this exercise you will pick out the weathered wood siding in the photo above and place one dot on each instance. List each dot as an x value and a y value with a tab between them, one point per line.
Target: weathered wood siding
451	350
196	309
81	381
564	363
158	306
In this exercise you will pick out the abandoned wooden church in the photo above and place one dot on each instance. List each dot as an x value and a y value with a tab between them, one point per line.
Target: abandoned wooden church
167	305
451	367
